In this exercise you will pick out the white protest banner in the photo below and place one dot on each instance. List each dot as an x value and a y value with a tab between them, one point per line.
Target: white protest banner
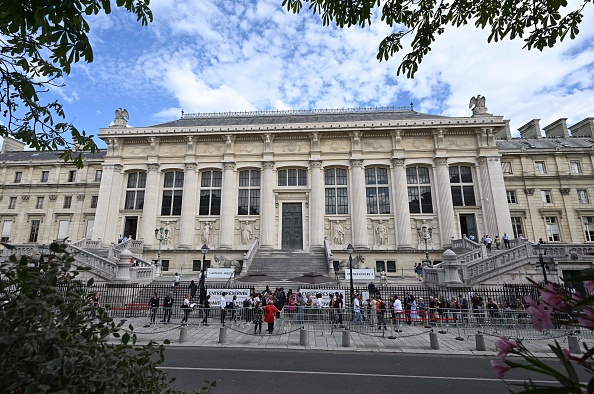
220	273
360	274
324	292
215	295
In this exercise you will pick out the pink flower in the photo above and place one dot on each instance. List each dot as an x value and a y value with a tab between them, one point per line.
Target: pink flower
499	369
590	286
588	320
549	296
541	318
505	346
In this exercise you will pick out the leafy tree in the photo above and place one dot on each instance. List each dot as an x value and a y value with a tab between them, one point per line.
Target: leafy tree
540	23
39	41
50	342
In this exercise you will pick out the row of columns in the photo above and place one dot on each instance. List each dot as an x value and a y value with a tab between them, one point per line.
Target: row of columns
489	182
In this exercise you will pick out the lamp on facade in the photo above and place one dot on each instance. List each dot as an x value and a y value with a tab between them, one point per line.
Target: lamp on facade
161	234
425	232
350	251
541	262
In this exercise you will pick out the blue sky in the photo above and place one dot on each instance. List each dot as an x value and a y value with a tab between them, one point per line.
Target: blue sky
203	56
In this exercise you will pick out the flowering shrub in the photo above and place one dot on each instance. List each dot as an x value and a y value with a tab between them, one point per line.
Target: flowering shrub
555	306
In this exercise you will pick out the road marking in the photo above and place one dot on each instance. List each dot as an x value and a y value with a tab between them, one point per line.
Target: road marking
372	375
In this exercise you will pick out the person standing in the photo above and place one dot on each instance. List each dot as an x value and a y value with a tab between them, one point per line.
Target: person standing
193	289
270	312
338	306
186	307
153	306
419	272
397	309
506	241
167	308
380	311
95	304
383	278
497	242
357	311
372	289
300	307
258	311
206	308
223	305
176	281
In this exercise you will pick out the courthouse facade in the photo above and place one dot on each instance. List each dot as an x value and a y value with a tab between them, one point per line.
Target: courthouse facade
373	178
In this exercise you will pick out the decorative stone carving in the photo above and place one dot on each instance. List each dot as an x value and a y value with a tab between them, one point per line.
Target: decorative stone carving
441	161
229	166
246	233
121	118
356	163
80	197
24	198
381	233
564	190
397	162
268	165
153	167
191	166
53	197
477	105
315	164
206	231
529	191
292	147
338	233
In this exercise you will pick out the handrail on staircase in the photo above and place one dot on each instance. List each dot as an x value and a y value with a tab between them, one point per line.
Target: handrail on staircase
248	257
328	255
98	263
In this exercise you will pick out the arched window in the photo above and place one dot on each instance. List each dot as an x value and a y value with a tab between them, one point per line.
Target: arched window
462	186
173	190
337	198
419	190
377	190
135	190
210	193
249	193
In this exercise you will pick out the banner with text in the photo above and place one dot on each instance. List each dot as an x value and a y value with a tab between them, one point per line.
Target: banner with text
220	273
360	274
324	292
215	295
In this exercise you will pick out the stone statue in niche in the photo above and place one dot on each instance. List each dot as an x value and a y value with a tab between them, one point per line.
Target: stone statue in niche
206	229
246	233
338	234
382	236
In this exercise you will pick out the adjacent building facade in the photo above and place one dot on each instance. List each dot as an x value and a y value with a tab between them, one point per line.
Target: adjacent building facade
392	182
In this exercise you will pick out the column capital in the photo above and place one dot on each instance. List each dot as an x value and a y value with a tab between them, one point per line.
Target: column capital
191	166
315	163
397	162
153	166
356	163
441	161
229	166
268	165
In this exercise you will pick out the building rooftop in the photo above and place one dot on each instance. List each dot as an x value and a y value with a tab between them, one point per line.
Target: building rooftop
545	143
27	155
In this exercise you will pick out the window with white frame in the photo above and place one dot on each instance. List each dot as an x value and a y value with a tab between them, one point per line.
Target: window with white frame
12	203
539	167
511	197
173	191
67	201
71	176
588	222
292	177
377	190
135	190
575	166
506	167
419	190
462	186
583	196
39	204
34	230
210	193
6	230
249	193
517	227
553	233
18	177
547	196
98	175
336	192
44	176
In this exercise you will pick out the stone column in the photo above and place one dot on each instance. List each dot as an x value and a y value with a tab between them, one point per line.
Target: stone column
401	211
444	198
150	210
485	197
316	205
188	217
108	204
502	218
576	233
228	206
268	207
359	209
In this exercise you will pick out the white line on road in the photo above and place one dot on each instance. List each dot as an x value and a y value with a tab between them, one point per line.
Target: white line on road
372	375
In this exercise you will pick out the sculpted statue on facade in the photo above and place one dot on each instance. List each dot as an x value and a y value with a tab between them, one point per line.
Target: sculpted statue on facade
121	117
206	229
477	104
382	236
338	234
246	233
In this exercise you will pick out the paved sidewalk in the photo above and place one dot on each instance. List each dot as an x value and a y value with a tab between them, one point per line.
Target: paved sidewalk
412	339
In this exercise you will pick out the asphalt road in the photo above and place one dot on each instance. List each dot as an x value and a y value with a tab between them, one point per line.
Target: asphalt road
244	371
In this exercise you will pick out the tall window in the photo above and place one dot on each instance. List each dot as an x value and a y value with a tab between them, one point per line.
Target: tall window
173	190
12	203
511	197
588	227
98	175
292	177
337	198
94	200
249	193
71	176
517	227
18	176
135	190
44	176
462	186
419	190
67	201
539	167
547	196
39	204
377	191
34	230
583	196
506	167
552	228
210	193
575	167
6	230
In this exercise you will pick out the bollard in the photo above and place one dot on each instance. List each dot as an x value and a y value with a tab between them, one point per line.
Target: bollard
346	339
222	334
480	342
183	334
433	341
303	337
574	345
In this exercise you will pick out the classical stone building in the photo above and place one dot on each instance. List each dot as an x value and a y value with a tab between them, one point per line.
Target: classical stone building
393	182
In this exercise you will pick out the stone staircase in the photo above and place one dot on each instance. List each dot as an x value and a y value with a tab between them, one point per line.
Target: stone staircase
283	264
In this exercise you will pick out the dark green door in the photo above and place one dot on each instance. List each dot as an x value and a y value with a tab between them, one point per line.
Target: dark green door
292	232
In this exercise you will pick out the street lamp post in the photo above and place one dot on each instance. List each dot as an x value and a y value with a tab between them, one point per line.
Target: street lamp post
350	251
201	284
425	232
161	234
542	263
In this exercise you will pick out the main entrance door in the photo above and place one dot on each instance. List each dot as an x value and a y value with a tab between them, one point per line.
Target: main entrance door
292	226
468	226
130	226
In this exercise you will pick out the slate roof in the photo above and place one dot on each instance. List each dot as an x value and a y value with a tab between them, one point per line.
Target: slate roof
46	155
533	144
298	116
